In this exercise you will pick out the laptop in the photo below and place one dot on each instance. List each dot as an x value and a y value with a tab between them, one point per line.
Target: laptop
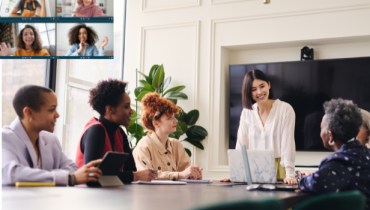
252	166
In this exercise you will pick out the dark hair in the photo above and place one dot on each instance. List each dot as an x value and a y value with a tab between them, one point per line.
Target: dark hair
29	96
37	43
247	87
92	36
107	92
343	119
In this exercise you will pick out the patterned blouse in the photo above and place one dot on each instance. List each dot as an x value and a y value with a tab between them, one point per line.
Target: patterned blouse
345	170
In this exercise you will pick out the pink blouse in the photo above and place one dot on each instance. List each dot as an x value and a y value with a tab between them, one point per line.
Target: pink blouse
90	11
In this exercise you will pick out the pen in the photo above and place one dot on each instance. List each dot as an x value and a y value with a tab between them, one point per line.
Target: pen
153	171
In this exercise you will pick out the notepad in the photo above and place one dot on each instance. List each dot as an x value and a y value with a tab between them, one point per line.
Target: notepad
160	182
35	184
196	180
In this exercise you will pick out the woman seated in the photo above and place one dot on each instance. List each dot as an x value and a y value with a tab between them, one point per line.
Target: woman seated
364	134
88	8
157	150
82	39
29	8
102	135
347	168
30	151
28	43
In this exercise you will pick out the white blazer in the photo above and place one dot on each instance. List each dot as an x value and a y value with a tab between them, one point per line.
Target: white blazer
19	161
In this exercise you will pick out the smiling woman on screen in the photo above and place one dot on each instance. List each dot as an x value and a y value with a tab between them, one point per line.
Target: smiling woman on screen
82	39
88	9
267	124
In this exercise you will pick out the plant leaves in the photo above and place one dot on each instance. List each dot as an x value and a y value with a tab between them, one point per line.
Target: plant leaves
192	117
132	129
196	144
181	115
158	77
172	135
133	116
166	83
173	100
183	125
142	94
143	82
176	95
151	75
149	87
175	89
196	132
138	90
148	79
188	151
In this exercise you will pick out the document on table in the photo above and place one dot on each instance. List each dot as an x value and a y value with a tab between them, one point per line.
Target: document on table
196	180
160	182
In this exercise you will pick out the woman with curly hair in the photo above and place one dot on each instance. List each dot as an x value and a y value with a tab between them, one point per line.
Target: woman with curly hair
28	43
82	39
102	135
364	134
88	8
157	150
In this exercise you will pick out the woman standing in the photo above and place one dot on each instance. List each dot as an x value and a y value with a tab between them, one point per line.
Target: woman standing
267	124
29	8
102	135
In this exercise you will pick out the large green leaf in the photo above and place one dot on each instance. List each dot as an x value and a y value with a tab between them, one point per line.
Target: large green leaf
176	95
148	79
197	144
166	83
175	89
196	133
183	125
149	87
188	151
158	77
142	94
133	116
172	135
181	115
154	67
136	128
143	82
138	90
173	100
192	117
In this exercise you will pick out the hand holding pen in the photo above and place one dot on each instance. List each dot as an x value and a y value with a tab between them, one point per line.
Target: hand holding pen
153	171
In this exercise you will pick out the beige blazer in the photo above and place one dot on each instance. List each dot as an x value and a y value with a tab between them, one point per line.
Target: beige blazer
169	160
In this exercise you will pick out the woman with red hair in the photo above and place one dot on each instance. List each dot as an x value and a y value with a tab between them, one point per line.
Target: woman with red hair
88	8
157	150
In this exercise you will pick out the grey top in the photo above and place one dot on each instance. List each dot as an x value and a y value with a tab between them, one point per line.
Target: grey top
20	5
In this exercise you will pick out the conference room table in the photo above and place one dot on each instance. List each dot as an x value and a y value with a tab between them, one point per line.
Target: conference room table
135	196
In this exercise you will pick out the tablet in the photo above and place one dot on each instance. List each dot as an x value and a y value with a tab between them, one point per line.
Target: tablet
112	163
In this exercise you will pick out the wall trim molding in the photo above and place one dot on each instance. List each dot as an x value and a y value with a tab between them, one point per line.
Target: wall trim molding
196	26
196	3
214	2
213	138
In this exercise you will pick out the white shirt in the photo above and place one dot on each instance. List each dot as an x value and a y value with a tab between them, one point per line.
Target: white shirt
277	134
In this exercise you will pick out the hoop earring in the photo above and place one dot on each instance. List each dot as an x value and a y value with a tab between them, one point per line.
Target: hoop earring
331	142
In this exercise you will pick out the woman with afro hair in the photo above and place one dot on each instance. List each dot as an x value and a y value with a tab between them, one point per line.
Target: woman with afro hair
103	135
82	39
157	150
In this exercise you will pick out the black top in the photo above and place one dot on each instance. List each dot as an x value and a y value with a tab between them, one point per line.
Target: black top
92	144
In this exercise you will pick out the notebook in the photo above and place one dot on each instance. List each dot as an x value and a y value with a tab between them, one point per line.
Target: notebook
257	166
159	182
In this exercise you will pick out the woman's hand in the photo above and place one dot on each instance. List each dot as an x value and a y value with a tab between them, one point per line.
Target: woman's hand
82	175
82	47
306	173
225	180
200	172
192	171
5	51
103	43
290	181
78	14
144	175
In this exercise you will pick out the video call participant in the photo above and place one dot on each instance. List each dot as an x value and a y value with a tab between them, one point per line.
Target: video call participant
30	151
28	8
157	150
82	39
88	8
102	135
267	124
348	167
364	134
28	43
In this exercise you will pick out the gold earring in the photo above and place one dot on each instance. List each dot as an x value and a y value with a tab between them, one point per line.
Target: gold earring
31	119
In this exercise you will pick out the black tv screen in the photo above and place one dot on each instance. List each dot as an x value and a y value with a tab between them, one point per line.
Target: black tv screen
305	85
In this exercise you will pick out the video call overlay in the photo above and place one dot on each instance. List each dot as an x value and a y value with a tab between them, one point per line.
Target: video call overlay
56	29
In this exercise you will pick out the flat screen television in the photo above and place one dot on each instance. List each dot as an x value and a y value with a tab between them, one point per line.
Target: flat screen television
305	85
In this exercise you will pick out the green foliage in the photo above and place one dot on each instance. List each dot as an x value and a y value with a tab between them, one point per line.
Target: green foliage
155	81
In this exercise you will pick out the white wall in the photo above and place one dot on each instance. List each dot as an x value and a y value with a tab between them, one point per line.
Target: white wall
207	36
103	30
